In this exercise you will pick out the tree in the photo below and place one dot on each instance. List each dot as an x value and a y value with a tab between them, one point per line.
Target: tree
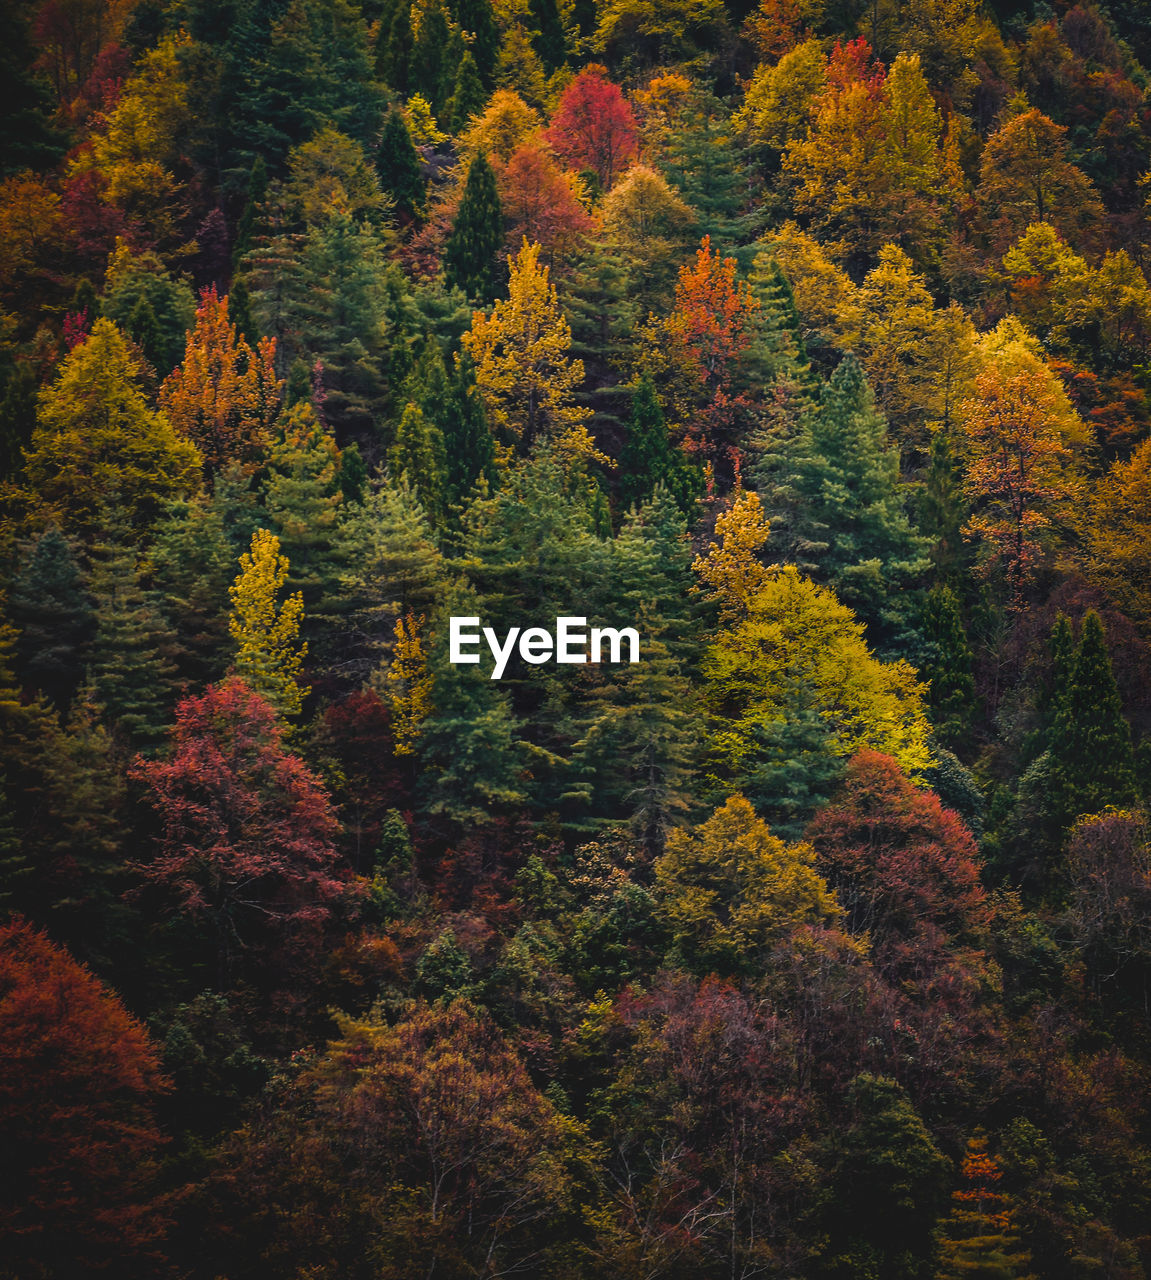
477	234
428	1146
468	96
225	396
49	606
648	458
477	18
732	567
408	685
247	839
551	43
1019	475
905	869
96	441
1119	534
143	299
395	47
432	59
79	1084
593	126
1026	177
523	368
541	203
778	105
1092	761
978	1236
728	890
947	667
798	642
836	483
398	165
418	458
265	630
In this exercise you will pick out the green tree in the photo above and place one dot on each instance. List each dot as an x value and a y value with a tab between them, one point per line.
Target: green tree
947	667
842	513
477	235
648	458
417	457
49	607
468	96
476	17
399	166
143	299
1092	760
433	70
550	42
396	47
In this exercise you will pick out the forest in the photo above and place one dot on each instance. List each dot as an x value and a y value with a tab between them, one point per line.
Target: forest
808	338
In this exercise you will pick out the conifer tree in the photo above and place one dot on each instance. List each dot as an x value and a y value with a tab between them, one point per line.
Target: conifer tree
433	72
1092	760
49	607
944	509
648	458
266	629
550	42
468	96
947	667
407	684
302	500
417	458
396	48
398	165
132	674
477	235
477	19
248	227
843	519
468	445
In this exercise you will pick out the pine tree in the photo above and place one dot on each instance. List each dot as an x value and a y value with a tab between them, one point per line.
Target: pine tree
477	19
432	70
598	302
944	510
395	50
248	227
843	520
1093	764
468	96
28	139
477	235
132	676
777	348
302	500
417	458
947	667
648	458
550	43
468	445
266	630
49	607
399	166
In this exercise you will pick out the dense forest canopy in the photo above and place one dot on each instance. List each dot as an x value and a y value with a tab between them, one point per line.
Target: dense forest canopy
808	338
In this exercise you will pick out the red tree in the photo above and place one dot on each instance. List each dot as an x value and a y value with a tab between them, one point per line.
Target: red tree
593	127
905	868
78	1079
248	834
540	201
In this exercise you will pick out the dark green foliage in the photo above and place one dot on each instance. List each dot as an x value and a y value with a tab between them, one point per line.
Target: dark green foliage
476	18
700	160
17	411
1092	761
944	508
417	458
51	610
433	72
352	477
248	227
946	666
156	310
468	95
468	445
28	137
834	496
477	235
395	48
399	166
132	673
889	1184
550	42
648	458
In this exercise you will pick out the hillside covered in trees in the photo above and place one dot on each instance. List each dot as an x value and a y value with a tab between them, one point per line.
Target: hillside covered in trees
808	339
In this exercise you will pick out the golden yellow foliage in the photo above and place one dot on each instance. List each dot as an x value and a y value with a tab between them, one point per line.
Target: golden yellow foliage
408	684
732	568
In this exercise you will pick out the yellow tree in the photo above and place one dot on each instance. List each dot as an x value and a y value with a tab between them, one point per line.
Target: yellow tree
521	351
269	652
224	396
408	684
1119	535
732	568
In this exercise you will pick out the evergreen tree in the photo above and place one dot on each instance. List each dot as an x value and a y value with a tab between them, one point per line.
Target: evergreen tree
248	227
602	312
1093	764
944	510
131	672
468	445
648	458
147	303
477	235
417	458
395	50
550	42
777	348
836	486
433	73
352	478
700	160
28	138
468	95
477	18
302	500
947	667
399	166
49	607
